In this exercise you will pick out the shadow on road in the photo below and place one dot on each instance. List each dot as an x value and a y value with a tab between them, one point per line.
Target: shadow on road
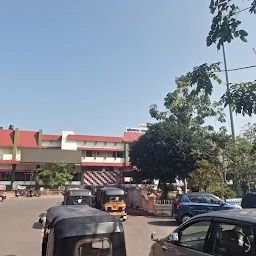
163	222
36	225
136	212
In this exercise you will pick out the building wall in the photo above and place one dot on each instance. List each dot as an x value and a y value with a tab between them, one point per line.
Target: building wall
18	154
51	143
5	167
5	153
73	145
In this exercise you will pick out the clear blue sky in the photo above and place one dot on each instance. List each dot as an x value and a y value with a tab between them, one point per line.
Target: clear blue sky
94	67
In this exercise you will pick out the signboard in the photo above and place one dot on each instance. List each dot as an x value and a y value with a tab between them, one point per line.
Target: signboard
21	187
2	187
129	129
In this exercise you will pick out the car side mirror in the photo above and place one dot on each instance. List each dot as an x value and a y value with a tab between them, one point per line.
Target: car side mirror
222	203
154	237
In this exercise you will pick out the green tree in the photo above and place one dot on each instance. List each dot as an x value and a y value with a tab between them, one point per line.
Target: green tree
44	177
208	178
205	175
62	174
184	106
241	162
168	151
225	23
59	174
225	27
221	190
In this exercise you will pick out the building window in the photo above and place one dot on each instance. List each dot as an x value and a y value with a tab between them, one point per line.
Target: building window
120	154
6	176
76	177
22	176
89	153
114	154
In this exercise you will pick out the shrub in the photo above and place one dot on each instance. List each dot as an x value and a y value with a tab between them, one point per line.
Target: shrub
222	191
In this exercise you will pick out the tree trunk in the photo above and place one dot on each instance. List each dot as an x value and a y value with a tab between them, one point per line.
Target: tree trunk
185	186
165	191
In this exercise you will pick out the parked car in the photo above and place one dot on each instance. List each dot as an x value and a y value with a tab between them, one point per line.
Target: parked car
249	200
185	206
2	195
221	233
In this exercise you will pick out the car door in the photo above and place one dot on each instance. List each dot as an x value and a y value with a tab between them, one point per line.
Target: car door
192	241
212	203
196	204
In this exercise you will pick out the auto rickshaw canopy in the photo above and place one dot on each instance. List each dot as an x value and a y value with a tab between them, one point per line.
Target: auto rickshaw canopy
111	191
74	220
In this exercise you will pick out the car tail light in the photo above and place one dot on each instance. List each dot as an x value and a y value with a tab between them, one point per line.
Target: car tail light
179	204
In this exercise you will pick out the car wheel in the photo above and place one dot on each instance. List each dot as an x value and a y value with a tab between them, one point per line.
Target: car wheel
185	218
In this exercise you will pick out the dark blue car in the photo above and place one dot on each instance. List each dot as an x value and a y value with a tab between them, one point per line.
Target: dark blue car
186	206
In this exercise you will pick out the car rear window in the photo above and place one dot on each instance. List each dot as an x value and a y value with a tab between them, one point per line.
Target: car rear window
195	198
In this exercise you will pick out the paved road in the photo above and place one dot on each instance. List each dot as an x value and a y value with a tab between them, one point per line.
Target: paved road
21	233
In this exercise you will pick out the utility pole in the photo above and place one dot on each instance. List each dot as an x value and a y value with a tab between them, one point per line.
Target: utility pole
228	93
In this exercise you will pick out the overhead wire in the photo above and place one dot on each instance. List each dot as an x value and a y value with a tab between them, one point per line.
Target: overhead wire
235	69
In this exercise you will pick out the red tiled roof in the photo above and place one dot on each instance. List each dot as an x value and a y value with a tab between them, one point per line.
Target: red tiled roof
28	139
6	138
51	137
95	138
131	136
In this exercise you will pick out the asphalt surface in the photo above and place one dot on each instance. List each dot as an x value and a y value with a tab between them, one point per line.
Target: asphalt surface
21	233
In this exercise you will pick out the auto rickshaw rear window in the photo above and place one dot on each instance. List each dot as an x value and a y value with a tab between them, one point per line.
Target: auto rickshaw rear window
95	247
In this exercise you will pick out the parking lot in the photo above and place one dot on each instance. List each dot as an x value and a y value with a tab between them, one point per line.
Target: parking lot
21	233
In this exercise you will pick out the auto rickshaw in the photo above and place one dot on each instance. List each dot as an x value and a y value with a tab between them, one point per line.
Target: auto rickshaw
81	231
73	187
79	196
111	200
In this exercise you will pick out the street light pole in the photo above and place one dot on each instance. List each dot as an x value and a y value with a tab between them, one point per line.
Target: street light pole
228	94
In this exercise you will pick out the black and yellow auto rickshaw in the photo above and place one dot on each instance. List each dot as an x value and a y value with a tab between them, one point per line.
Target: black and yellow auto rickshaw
81	231
111	200
78	196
